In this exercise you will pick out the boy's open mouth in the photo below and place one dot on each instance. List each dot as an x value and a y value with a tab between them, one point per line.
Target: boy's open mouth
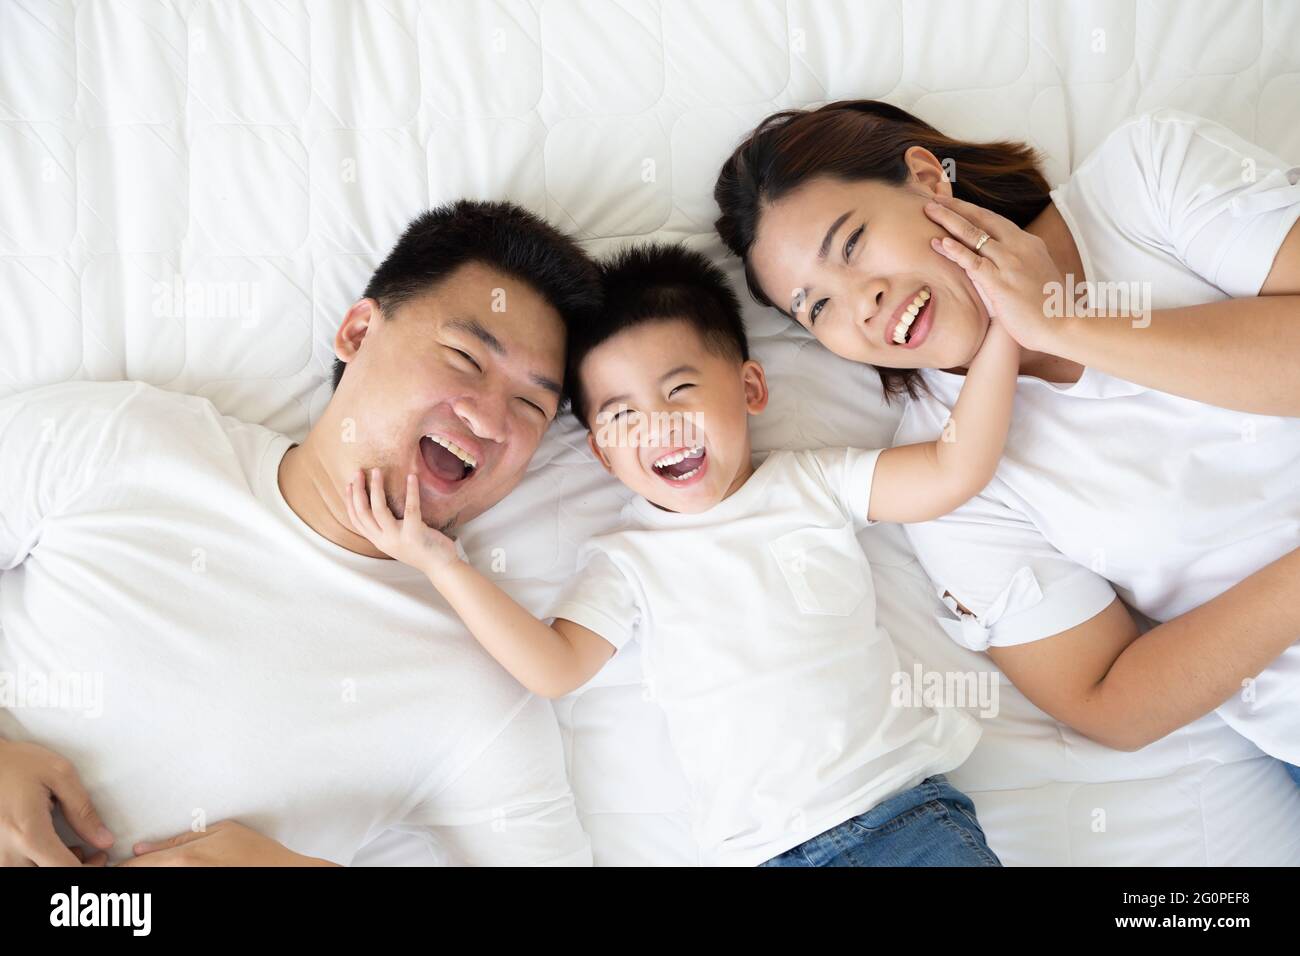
681	465
446	459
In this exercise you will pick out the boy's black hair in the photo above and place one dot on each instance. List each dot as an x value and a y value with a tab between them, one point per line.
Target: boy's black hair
651	283
497	234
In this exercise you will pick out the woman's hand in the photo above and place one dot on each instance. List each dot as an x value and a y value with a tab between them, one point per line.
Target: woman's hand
407	539
1013	271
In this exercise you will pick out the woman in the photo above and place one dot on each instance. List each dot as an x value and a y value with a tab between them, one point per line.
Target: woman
1155	449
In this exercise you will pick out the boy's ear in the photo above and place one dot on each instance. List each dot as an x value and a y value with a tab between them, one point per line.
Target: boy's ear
598	452
755	382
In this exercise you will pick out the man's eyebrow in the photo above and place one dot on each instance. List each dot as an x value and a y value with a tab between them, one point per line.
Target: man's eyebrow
549	384
475	328
802	295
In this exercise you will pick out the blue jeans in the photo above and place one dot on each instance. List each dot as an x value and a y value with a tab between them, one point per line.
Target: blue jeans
933	824
1293	770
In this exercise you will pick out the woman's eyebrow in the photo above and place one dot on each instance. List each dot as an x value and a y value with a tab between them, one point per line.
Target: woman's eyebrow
830	235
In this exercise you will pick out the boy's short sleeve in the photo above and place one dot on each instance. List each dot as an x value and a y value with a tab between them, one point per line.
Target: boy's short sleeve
601	598
848	473
1225	204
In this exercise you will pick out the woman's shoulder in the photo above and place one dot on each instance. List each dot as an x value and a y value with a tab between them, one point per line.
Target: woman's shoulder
926	412
1162	146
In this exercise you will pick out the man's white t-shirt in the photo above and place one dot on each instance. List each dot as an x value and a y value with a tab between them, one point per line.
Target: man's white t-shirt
757	624
1108	487
173	628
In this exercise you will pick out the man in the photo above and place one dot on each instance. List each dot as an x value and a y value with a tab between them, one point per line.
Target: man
250	658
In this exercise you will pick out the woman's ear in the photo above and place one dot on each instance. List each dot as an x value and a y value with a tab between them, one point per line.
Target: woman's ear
598	452
356	323
927	170
755	383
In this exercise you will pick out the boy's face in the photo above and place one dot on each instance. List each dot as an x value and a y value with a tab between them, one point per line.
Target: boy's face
669	417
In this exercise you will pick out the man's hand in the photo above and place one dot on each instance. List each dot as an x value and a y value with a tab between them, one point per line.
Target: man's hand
32	780
408	539
223	844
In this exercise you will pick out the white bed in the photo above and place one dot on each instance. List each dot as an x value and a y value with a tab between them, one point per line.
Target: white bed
195	190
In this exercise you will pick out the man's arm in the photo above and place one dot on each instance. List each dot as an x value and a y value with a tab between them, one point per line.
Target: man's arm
49	440
1126	690
32	781
223	844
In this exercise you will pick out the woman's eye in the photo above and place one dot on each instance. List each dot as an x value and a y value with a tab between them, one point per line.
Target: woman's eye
852	242
678	388
532	404
816	310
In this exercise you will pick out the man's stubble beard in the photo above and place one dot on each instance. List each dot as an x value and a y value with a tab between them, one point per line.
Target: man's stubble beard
398	508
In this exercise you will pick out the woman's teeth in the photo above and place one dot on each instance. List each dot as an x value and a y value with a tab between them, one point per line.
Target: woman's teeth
909	316
455	449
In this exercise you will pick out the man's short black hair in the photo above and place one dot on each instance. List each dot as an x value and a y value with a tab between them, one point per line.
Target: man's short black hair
497	234
651	283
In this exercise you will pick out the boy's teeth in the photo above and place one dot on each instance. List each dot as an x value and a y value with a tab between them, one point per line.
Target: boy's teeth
679	456
685	476
455	449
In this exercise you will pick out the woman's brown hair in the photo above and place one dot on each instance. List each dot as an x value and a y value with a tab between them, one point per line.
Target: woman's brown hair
853	140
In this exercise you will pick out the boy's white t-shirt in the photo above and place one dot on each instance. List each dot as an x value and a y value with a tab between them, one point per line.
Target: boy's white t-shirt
757	622
206	655
1109	487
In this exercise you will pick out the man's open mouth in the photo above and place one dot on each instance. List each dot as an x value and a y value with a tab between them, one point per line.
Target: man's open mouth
446	459
681	465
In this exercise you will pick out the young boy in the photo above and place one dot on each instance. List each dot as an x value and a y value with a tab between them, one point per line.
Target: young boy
745	585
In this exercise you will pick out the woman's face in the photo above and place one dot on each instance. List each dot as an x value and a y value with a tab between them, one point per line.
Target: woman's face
847	258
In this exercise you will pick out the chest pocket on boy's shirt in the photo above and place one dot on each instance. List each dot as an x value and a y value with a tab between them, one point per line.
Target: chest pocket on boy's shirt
824	568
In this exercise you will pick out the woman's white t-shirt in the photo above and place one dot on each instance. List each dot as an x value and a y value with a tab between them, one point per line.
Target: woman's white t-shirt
757	623
1107	487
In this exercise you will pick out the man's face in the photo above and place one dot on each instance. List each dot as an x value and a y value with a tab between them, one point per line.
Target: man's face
459	385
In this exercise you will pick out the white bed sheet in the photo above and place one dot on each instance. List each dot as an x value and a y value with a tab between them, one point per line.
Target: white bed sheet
196	190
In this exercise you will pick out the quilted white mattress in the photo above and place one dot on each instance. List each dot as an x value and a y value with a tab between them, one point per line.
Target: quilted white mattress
195	190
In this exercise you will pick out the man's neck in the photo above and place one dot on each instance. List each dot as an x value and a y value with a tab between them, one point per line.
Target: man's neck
309	488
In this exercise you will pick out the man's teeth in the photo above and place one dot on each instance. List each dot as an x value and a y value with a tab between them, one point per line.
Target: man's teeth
909	316
680	456
455	449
